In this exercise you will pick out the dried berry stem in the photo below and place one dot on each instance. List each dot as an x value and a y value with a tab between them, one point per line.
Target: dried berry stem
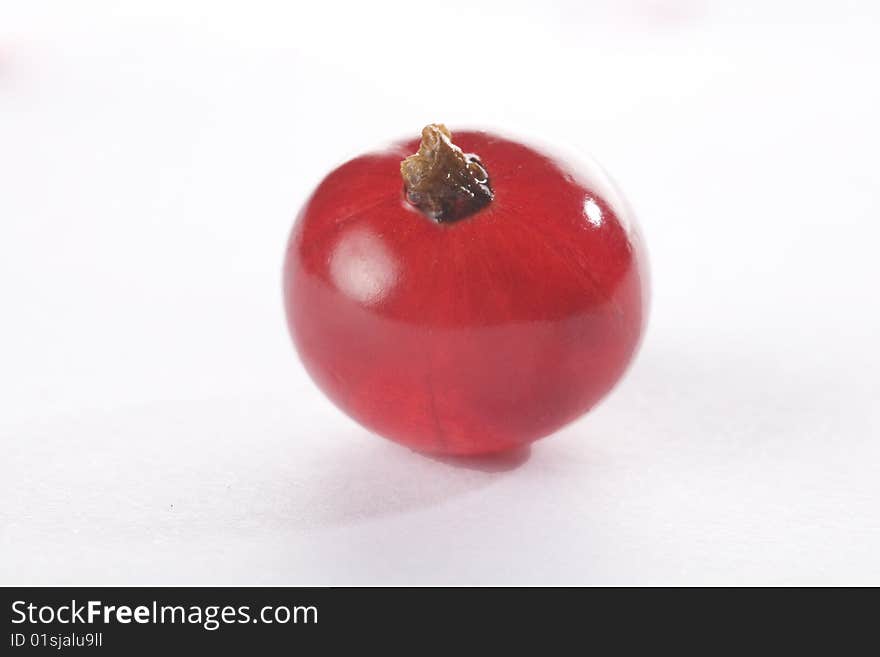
441	180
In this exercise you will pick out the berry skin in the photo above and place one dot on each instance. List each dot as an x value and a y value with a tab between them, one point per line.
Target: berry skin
465	329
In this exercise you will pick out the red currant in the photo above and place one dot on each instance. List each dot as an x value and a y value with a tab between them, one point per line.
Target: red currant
476	305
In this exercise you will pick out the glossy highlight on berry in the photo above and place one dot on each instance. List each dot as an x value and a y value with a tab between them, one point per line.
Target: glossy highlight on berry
470	300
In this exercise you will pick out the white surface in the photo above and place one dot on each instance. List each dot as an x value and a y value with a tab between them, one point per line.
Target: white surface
156	426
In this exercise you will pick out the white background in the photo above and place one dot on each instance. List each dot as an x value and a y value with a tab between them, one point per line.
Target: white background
156	426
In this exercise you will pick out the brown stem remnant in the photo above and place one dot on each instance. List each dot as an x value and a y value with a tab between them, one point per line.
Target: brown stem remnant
441	180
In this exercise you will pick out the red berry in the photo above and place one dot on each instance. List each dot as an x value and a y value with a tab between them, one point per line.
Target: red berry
493	314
